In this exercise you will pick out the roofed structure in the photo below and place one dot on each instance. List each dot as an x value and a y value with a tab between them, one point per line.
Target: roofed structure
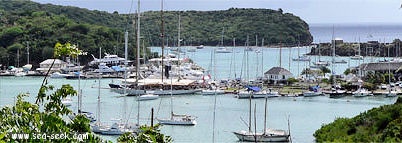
381	66
278	74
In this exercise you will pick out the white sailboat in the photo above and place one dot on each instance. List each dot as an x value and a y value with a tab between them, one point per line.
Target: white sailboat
223	48
176	119
359	56
320	63
391	93
268	134
213	89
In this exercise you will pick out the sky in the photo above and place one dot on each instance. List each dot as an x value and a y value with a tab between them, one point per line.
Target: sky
312	11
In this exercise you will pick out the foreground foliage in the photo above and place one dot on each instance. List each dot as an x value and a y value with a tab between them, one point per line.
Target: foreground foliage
148	134
44	118
382	124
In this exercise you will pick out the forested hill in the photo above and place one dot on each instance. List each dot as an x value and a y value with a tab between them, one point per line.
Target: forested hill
206	27
42	25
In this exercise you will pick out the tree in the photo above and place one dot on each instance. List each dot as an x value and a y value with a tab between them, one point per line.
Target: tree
45	116
147	134
325	70
292	80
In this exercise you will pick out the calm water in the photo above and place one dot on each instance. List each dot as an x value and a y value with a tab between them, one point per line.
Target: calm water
352	32
306	114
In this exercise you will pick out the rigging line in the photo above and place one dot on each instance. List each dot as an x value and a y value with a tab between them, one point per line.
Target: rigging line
131	111
130	16
159	107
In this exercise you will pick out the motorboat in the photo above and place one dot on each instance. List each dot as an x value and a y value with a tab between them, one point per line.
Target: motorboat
108	59
223	50
58	75
200	47
361	92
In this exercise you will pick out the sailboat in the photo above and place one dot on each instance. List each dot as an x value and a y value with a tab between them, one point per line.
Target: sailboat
268	134
336	90
359	56
213	89
223	49
90	116
391	93
320	63
176	119
18	72
304	57
313	91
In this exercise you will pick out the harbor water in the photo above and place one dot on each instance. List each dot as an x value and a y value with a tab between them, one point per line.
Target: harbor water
305	114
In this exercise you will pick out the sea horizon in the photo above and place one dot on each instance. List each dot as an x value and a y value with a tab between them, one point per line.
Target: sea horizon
355	32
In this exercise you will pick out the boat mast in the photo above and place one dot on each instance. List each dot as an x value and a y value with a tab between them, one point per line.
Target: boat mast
223	32
18	57
79	87
138	59
214	116
125	71
262	57
265	115
389	70
27	52
248	83
98	106
360	74
231	61
162	38
178	49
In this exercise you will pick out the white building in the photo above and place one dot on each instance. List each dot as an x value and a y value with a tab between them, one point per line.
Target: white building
45	65
278	75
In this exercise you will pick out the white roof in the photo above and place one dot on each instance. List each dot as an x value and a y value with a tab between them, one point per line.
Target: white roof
50	61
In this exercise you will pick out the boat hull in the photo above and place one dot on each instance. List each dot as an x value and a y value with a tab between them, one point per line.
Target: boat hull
176	122
212	92
259	137
311	94
147	97
135	92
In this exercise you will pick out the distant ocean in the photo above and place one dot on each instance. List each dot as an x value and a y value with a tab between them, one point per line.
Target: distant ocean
352	32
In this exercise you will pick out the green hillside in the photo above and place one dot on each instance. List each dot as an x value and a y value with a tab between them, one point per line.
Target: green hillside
205	27
42	25
382	124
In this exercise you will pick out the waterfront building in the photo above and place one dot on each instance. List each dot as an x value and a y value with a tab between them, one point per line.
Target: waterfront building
277	75
45	65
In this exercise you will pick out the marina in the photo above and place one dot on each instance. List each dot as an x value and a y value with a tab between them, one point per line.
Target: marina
305	114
